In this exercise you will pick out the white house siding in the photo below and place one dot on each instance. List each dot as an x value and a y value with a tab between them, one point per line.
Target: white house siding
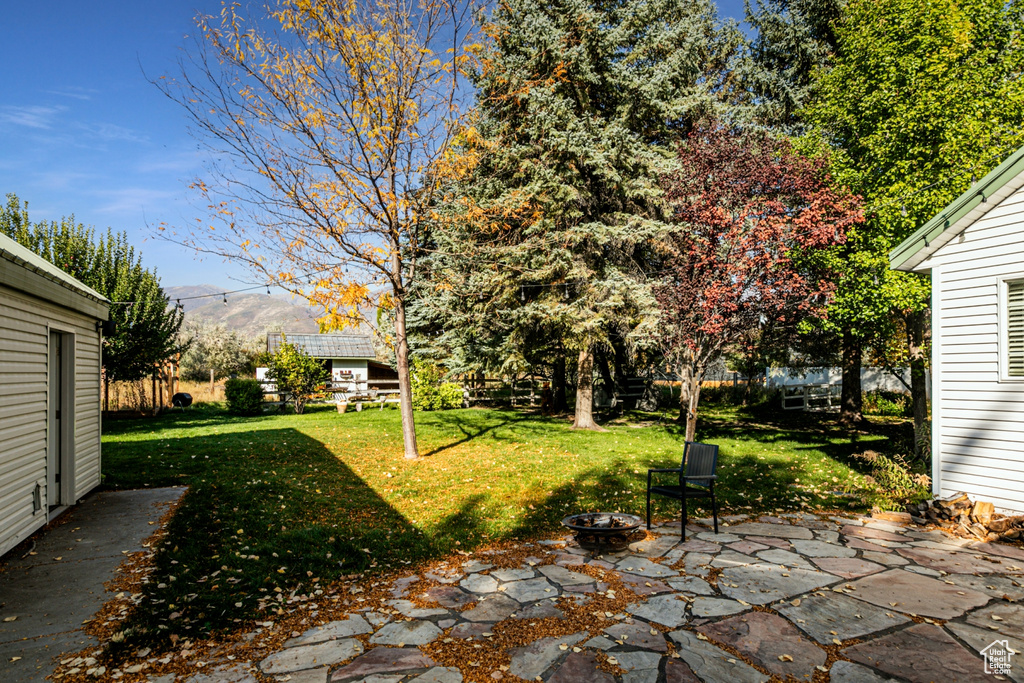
978	421
25	323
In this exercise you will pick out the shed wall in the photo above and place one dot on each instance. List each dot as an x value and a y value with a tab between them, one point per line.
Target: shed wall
978	420
25	324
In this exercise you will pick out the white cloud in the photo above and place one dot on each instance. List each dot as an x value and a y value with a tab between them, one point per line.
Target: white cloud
74	92
110	132
133	200
31	117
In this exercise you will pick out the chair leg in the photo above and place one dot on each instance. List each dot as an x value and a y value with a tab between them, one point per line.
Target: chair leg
648	509
714	511
684	520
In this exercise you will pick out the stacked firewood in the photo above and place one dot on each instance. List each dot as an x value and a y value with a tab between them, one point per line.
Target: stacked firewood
962	517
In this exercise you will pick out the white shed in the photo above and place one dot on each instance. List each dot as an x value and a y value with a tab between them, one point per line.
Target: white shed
348	357
50	327
974	251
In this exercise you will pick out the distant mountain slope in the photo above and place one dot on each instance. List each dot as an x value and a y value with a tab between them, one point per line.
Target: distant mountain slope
248	314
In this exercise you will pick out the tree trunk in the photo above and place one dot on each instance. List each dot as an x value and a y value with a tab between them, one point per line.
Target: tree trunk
404	382
696	376
852	399
621	367
584	418
601	357
558	385
916	334
686	366
685	375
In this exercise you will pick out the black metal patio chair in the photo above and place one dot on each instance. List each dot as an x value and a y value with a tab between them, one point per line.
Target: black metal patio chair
696	480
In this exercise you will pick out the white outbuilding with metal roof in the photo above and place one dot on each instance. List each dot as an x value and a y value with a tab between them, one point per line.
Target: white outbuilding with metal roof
974	251
50	336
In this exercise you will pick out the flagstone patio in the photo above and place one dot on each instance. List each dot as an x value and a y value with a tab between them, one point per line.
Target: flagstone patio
776	598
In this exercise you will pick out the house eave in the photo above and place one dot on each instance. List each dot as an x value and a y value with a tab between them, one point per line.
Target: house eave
913	253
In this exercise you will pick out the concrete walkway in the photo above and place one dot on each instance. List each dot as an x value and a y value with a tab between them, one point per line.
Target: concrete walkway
51	592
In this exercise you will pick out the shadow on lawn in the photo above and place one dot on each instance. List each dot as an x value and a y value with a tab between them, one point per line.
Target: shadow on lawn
265	510
472	431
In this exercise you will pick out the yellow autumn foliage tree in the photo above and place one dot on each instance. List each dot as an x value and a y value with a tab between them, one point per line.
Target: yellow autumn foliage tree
327	120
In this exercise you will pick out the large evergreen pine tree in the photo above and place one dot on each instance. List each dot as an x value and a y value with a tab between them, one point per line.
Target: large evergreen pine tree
545	240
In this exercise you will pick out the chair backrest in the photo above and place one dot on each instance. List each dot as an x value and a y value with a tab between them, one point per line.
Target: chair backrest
699	460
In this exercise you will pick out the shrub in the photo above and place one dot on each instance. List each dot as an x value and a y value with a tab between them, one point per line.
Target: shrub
430	392
245	396
297	375
897	484
888	403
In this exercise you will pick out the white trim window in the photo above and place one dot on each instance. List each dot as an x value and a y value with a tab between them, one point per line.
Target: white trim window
1015	329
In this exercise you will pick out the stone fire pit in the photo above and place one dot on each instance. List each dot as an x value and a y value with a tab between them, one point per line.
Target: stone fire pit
604	531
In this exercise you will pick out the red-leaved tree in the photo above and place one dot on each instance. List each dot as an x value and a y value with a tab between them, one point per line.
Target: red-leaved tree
753	220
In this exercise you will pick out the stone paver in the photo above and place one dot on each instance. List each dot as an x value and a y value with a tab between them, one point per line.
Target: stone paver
691	585
729	558
534	659
578	667
641	667
479	583
1001	617
847	567
747	547
639	635
439	674
513	574
666	610
493	607
763	583
409	609
713	664
786	558
352	626
311	656
1000	587
449	596
849	672
914	594
528	590
772	530
564	577
644	567
831	616
227	674
677	671
403	633
769	641
873	534
887	558
980	638
826	582
953	562
704	607
307	676
383	660
822	549
921	654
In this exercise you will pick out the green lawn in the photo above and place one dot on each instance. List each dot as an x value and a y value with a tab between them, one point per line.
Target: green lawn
277	500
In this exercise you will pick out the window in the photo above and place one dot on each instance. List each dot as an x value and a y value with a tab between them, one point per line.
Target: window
1015	329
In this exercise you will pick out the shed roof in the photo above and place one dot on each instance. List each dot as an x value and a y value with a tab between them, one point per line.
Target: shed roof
327	345
1001	182
41	278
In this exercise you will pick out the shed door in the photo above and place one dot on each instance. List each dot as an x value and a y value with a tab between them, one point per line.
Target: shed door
58	418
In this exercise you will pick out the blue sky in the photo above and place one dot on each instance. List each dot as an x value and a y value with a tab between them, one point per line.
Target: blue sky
84	132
